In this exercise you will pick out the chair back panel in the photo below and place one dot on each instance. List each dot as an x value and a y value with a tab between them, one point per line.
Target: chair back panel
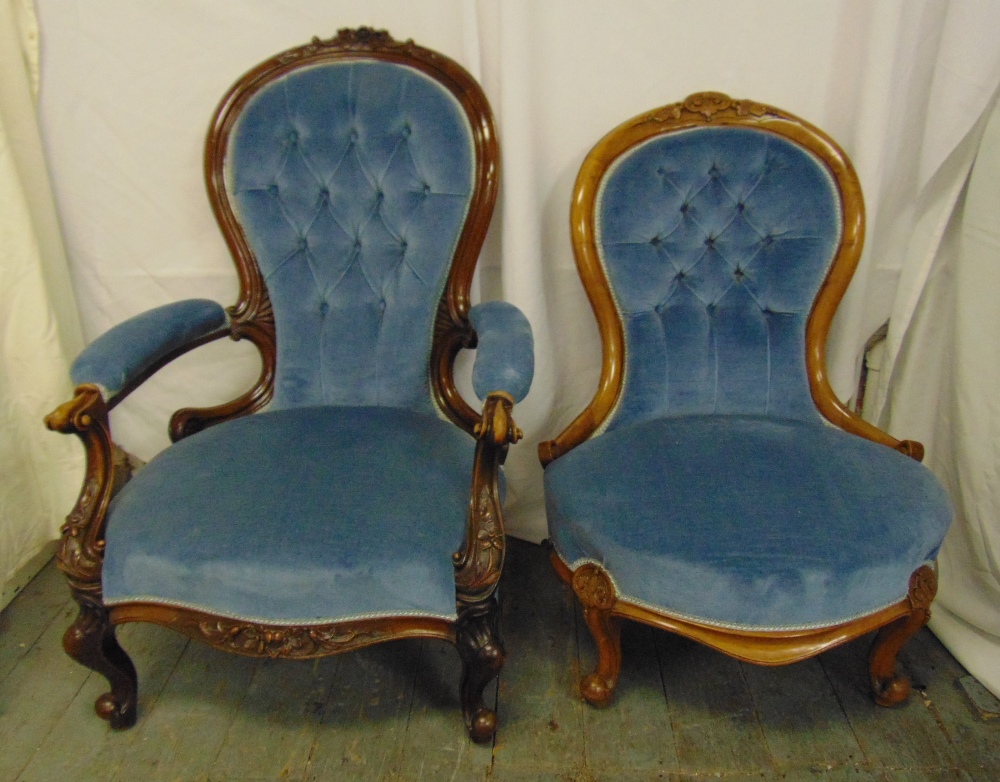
715	241
351	182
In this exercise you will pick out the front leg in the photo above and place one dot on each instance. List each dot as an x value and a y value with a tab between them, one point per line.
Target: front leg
481	649
596	592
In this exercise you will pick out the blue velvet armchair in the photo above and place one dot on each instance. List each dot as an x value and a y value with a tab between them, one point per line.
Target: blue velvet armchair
351	496
715	486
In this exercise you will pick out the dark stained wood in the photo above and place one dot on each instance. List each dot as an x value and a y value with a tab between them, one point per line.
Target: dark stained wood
91	639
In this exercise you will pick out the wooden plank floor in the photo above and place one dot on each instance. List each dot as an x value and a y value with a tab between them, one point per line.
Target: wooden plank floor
391	712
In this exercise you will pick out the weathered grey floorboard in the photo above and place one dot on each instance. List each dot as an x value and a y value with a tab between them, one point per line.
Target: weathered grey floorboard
541	714
802	720
182	736
48	596
81	746
634	732
35	695
712	711
904	737
391	712
273	732
365	718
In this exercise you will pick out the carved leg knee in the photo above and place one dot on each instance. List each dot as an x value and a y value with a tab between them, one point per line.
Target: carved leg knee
91	641
482	653
596	592
888	687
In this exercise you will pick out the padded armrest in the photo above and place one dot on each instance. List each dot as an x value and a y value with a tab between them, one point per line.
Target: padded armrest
505	353
123	353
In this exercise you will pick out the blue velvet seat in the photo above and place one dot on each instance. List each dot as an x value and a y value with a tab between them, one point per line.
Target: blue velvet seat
351	496
716	486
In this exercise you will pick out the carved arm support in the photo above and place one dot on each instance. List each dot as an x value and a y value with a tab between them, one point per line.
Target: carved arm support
81	549
479	564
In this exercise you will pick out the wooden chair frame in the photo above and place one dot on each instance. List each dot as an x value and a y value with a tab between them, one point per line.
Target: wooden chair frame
91	639
592	584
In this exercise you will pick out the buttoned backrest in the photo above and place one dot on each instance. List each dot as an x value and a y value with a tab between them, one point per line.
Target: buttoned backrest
350	180
715	241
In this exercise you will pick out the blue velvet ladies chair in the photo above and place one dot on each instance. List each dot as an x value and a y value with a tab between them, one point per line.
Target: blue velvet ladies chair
328	508
715	486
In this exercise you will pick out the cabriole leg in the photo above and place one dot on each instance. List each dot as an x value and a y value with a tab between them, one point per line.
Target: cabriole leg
481	649
91	641
596	592
888	687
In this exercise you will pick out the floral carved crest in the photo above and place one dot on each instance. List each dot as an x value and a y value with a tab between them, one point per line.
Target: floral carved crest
708	106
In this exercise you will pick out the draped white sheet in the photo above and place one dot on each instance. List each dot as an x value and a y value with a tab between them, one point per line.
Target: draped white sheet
39	330
945	391
128	89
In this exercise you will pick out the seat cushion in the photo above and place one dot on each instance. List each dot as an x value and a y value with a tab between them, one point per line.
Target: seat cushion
301	516
747	522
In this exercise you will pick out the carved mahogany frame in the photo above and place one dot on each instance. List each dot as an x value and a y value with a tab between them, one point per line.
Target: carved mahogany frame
594	587
91	639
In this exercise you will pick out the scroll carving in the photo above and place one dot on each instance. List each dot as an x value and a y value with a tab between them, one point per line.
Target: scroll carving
479	564
81	548
347	39
708	106
296	642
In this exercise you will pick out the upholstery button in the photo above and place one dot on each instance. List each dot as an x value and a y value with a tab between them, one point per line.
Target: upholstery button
655	241
324	308
740	207
379	197
357	244
293	138
426	189
381	305
272	190
324	195
738	275
661	171
302	245
710	241
684	207
680	276
406	131
354	134
403	245
768	239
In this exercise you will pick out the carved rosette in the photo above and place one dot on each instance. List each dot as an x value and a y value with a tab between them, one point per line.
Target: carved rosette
923	588
594	588
300	642
479	564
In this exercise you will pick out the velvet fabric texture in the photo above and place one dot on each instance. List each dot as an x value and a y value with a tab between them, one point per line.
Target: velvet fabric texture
352	181
309	515
746	521
505	350
124	352
715	241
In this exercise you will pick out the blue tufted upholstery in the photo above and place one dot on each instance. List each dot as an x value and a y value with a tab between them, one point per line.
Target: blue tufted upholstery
703	480
359	518
746	521
353	205
715	241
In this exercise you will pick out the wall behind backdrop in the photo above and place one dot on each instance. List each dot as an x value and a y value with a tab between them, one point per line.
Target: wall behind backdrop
905	86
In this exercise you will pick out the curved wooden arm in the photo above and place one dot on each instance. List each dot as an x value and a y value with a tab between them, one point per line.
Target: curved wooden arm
479	564
253	319
81	548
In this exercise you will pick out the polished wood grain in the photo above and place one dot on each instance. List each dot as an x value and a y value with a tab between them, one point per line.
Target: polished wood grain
91	640
594	586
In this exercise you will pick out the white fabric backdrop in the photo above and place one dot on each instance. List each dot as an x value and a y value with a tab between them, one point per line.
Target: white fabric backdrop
944	391
128	89
39	331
